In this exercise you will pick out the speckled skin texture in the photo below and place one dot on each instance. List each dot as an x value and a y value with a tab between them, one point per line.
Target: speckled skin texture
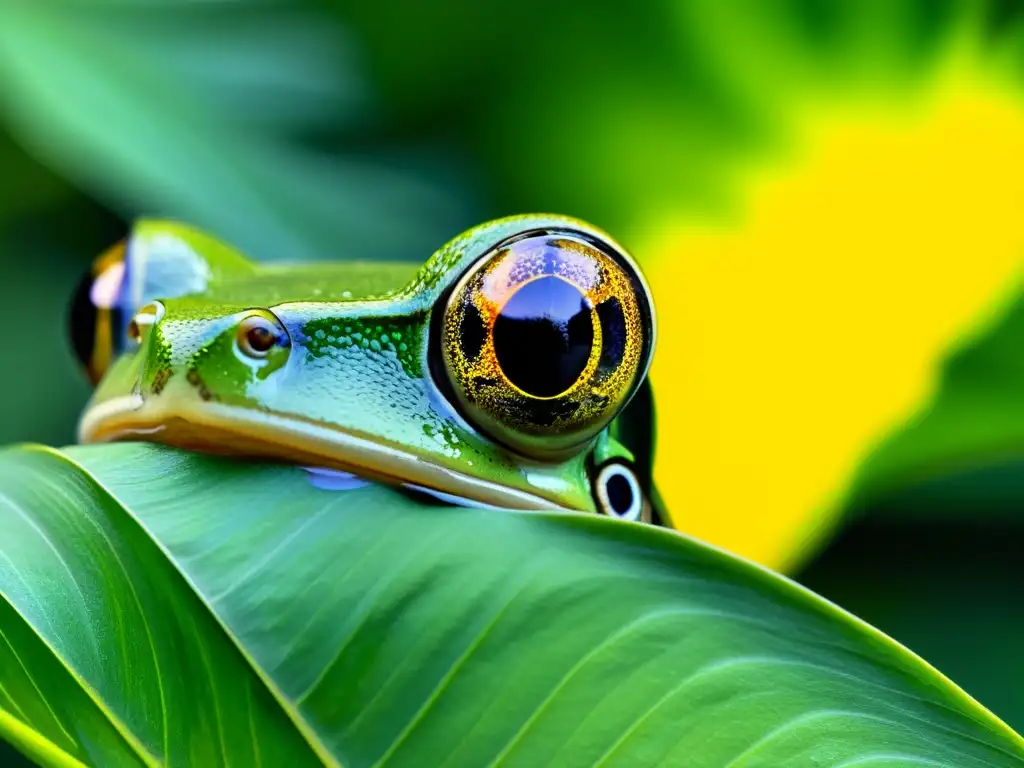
358	362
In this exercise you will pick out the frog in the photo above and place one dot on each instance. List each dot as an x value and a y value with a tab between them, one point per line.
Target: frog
509	370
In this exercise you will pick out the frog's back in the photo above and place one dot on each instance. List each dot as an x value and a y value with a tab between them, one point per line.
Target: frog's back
274	284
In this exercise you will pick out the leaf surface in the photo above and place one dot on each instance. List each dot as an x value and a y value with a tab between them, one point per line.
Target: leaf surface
210	611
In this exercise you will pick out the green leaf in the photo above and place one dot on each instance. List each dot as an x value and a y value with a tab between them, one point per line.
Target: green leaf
167	607
222	114
107	652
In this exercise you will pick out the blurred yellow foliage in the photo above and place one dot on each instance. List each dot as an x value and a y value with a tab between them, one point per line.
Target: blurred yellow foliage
793	340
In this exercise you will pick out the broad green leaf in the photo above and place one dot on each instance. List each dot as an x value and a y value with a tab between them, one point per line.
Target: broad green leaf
107	652
211	610
223	114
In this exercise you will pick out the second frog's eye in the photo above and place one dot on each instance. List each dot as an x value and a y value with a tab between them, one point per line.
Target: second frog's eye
98	315
545	338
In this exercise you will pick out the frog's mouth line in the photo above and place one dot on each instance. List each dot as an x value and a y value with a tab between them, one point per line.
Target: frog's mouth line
222	429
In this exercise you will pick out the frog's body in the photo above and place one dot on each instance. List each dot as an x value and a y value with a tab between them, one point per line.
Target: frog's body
351	376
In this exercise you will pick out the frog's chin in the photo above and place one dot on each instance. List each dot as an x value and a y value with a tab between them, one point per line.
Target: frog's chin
223	429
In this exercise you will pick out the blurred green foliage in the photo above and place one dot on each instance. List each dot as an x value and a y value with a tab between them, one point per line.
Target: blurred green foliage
365	130
251	120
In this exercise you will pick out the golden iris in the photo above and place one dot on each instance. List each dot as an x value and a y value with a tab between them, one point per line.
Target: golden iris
543	339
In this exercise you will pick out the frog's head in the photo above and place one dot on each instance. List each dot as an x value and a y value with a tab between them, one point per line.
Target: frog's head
492	374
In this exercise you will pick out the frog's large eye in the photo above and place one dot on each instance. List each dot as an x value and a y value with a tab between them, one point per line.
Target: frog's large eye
545	338
98	316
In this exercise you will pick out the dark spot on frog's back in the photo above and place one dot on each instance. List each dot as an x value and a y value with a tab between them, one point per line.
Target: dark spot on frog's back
196	381
160	380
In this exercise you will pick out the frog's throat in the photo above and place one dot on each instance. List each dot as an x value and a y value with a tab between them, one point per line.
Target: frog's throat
227	430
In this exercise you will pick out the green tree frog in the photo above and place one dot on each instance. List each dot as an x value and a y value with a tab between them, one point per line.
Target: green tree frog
508	371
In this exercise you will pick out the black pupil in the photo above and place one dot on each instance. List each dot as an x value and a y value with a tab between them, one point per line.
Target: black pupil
620	494
543	336
261	338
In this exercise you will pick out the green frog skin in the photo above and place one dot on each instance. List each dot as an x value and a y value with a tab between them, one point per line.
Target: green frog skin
497	373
